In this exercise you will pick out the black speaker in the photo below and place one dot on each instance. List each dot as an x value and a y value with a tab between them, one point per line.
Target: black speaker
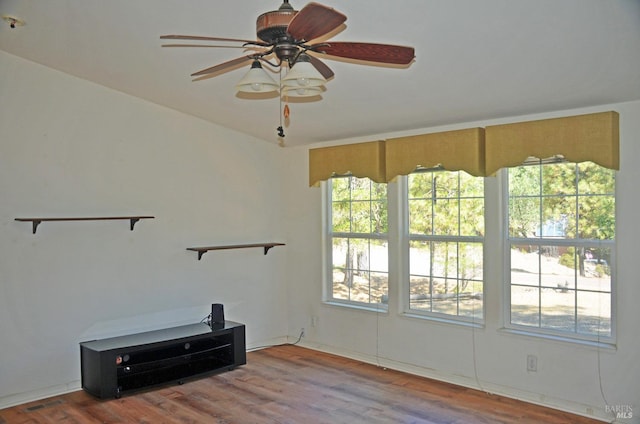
217	313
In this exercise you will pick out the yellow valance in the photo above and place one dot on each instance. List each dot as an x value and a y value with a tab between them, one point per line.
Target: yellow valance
452	150
593	137
360	160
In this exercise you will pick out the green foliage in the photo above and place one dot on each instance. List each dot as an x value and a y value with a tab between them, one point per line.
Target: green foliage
359	205
576	199
446	203
568	259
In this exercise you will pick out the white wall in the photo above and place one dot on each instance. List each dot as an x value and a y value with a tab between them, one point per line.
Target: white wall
72	148
569	376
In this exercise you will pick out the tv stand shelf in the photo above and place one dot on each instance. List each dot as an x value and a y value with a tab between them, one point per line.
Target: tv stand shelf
117	365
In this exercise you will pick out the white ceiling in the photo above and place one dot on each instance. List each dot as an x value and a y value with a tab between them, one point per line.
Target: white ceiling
475	59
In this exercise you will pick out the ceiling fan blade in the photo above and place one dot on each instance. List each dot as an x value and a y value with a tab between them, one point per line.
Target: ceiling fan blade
313	21
220	46
370	52
200	38
224	66
324	70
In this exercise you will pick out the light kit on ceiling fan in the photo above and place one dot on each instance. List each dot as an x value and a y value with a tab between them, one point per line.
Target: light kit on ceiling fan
303	74
288	38
13	21
257	80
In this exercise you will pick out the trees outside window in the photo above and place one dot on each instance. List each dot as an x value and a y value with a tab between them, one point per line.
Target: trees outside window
561	241
446	233
559	232
359	252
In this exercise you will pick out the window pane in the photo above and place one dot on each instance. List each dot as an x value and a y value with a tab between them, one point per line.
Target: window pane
524	305
359	263
360	188
470	259
420	258
524	181
379	287
379	217
445	264
360	217
420	293
420	217
553	274
471	186
525	265
558	217
557	309
596	218
594	316
594	179
353	262
472	217
446	185
595	271
559	178
340	189
556	286
421	185
341	216
471	304
340	254
524	216
446	275
444	303
445	220
378	256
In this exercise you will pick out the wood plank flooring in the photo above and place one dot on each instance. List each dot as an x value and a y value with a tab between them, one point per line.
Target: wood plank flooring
293	385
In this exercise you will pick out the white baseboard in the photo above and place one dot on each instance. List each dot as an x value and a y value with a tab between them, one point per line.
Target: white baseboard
38	394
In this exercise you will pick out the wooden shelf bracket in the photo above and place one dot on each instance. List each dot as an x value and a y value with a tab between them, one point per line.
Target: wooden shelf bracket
132	220
202	250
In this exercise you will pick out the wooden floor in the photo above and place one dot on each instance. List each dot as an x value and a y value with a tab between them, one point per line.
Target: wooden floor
290	384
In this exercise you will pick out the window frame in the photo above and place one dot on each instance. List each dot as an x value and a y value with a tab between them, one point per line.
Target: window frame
328	236
405	240
496	267
509	241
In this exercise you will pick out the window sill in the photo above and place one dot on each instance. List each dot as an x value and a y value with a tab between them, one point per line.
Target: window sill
608	345
358	306
443	320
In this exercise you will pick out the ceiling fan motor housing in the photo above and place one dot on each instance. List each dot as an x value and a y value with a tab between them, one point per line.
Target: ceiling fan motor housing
271	26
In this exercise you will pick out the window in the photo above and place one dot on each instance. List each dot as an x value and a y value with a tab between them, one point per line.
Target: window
446	233
559	250
358	237
561	232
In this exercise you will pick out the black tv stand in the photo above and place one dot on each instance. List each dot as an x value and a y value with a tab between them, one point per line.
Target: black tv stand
114	366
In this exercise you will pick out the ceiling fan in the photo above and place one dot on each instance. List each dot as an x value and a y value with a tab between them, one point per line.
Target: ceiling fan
287	37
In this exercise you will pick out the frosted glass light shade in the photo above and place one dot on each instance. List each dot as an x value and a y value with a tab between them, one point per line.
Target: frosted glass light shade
257	81
302	91
303	74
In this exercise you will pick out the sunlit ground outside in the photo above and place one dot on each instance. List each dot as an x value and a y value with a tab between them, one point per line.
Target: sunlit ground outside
556	304
365	279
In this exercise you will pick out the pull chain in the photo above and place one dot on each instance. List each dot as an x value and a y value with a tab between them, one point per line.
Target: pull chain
285	112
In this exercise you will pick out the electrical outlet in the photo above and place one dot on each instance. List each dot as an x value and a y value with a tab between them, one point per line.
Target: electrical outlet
532	363
314	320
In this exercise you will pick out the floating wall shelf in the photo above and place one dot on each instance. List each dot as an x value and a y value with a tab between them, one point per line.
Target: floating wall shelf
132	219
202	250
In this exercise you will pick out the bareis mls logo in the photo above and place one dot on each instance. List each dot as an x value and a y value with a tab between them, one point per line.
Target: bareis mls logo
621	411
